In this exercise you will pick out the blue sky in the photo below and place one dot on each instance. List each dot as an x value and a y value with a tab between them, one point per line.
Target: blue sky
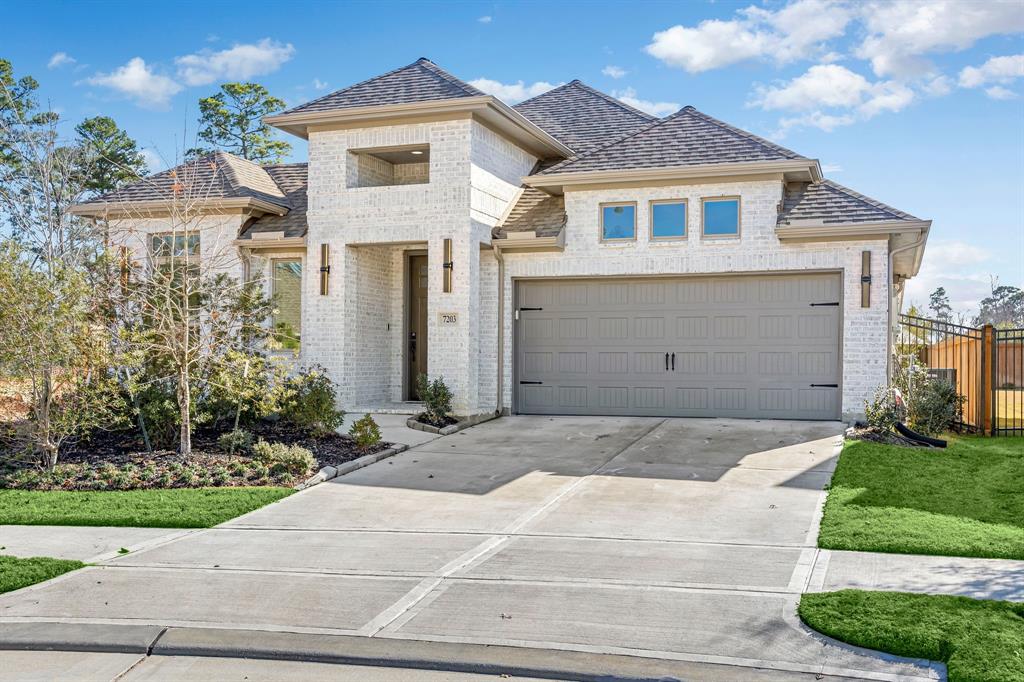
917	103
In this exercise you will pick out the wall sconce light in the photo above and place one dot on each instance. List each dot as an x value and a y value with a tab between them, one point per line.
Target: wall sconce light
325	267
448	266
865	279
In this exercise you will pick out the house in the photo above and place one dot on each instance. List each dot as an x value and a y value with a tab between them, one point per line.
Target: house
567	255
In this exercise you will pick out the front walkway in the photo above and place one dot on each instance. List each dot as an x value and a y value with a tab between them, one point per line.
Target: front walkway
675	540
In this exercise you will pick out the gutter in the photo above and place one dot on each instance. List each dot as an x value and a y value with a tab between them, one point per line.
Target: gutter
916	244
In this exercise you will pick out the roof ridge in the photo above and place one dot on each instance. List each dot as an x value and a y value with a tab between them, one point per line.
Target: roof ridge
615	100
689	109
433	68
354	85
866	199
576	157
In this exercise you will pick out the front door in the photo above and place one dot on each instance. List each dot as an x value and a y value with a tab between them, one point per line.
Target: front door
416	344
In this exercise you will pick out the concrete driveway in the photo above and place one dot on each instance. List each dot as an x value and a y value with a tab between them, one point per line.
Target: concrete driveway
675	539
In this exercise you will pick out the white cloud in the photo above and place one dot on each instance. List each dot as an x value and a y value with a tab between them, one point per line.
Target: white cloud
654	108
138	81
902	32
816	119
486	19
797	31
614	71
937	86
60	59
154	161
511	93
959	267
319	84
831	168
1001	70
240	62
999	92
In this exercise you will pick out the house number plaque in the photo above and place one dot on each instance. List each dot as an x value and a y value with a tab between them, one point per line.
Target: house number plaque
447	319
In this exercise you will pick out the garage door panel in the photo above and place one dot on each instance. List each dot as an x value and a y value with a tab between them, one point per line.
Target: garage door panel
742	346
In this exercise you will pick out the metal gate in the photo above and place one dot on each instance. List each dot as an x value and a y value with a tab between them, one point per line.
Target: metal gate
985	364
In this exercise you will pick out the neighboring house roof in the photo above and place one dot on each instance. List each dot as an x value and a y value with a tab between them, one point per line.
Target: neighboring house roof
217	175
829	202
686	138
581	117
534	211
293	179
421	81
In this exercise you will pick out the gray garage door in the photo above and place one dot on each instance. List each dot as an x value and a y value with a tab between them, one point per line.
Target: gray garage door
752	346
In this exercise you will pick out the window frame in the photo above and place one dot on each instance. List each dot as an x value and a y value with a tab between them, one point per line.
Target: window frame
272	262
600	221
739	217
686	220
187	255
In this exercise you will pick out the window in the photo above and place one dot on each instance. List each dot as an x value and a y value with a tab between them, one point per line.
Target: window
618	222
721	217
668	219
287	293
165	246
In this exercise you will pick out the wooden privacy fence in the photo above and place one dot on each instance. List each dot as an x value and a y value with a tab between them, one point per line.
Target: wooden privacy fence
985	364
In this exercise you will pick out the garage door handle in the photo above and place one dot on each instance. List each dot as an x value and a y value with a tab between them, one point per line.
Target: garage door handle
673	362
666	362
824	385
831	303
532	383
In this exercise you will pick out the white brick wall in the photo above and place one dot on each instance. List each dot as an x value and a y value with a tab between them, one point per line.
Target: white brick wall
756	251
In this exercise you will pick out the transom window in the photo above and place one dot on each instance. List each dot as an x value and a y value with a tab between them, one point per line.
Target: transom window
668	219
721	217
618	222
287	293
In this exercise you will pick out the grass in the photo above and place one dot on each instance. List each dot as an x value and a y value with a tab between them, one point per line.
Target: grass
16	573
978	640
173	508
967	500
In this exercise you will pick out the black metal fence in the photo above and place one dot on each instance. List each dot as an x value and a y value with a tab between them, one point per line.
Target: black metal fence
985	364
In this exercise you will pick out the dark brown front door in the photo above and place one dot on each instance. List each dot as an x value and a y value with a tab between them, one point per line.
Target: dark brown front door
416	348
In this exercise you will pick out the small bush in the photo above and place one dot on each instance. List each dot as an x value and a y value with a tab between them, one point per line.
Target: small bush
883	411
365	432
934	407
308	402
238	440
280	458
437	400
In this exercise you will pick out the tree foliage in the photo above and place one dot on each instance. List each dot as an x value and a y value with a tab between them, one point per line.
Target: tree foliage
111	158
232	120
1003	308
938	303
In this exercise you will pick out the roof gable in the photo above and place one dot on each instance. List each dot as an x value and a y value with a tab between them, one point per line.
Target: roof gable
421	81
581	117
686	138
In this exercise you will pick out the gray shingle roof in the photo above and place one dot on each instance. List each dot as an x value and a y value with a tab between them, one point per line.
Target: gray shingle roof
421	81
581	117
217	175
686	138
293	179
535	211
830	202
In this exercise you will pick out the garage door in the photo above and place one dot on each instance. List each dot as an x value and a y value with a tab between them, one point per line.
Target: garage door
753	346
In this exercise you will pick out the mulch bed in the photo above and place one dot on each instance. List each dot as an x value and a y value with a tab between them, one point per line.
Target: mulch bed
877	435
439	424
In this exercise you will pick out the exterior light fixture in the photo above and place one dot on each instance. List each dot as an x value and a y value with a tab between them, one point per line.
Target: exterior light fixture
325	267
417	152
865	279
448	266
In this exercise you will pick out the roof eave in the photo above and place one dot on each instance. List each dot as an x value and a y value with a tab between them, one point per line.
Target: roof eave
488	107
795	169
529	242
127	209
282	243
816	230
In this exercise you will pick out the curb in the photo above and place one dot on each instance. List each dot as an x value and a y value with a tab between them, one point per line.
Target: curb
463	423
329	472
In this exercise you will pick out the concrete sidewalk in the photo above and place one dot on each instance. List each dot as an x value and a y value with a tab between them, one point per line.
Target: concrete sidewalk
83	543
1000	579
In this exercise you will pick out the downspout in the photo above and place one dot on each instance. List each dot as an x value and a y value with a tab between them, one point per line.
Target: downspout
499	403
922	237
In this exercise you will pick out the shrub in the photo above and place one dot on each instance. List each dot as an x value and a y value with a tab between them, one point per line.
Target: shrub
437	399
238	440
365	432
883	411
307	401
933	407
280	458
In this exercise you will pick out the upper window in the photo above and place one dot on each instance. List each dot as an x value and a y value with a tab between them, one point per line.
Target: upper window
384	166
174	245
668	219
287	289
721	217
618	222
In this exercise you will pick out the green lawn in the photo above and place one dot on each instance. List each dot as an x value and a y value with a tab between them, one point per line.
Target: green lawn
978	640
16	573
967	500
174	508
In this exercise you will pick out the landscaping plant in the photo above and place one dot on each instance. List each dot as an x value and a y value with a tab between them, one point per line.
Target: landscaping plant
437	401
365	432
283	459
307	401
239	440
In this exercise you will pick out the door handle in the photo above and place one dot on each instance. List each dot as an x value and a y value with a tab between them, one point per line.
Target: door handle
666	362
673	362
